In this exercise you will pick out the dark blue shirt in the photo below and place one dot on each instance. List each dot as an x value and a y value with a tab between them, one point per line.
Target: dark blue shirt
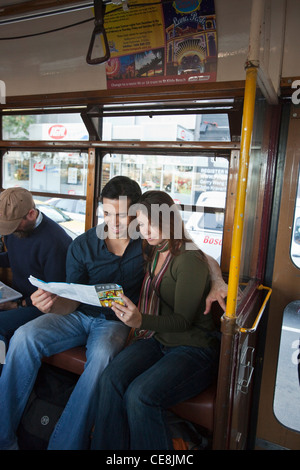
42	254
90	262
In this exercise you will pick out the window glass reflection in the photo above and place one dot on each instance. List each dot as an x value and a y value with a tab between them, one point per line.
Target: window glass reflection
287	388
295	240
177	127
53	127
52	172
199	181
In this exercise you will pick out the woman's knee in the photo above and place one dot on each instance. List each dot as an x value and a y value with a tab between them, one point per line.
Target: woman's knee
137	395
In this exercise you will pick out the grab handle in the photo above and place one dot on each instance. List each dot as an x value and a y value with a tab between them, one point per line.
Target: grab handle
98	29
260	313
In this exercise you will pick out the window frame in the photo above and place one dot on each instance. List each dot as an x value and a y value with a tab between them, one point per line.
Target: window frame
92	117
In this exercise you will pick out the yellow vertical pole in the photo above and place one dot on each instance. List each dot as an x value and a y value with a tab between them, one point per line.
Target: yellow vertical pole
221	435
247	127
223	411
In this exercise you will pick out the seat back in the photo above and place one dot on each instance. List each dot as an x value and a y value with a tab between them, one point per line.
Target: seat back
73	360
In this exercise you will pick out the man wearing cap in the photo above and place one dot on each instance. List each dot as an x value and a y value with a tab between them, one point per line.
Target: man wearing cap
35	245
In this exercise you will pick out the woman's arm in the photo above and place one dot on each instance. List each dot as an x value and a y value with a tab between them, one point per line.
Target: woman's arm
189	285
128	313
219	288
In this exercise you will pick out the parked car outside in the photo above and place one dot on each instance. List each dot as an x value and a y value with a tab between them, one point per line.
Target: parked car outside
69	225
75	208
206	228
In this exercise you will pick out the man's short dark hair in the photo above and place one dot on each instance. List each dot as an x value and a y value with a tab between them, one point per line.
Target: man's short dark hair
121	186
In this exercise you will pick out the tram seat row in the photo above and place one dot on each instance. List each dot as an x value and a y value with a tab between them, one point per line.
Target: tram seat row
198	410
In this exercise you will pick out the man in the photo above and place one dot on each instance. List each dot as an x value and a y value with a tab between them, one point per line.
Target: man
92	258
35	246
104	254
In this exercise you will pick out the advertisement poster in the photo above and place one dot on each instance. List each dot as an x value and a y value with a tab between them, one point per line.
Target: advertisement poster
161	44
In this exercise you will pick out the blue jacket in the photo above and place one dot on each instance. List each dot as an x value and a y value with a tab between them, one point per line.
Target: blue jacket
42	255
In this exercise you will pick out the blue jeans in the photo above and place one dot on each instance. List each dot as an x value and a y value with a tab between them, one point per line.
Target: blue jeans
45	336
11	320
138	387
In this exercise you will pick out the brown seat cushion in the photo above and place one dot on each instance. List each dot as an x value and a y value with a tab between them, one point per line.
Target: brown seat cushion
72	360
199	410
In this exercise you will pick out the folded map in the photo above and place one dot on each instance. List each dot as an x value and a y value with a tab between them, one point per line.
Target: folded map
98	295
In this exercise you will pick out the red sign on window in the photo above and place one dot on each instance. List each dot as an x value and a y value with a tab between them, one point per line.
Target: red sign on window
39	166
57	131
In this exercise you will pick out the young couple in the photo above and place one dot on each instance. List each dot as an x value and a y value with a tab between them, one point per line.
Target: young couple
172	331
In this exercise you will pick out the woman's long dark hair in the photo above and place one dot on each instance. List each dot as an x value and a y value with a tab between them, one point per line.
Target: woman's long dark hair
152	204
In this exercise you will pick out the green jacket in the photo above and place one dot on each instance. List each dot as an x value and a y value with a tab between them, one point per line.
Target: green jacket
183	291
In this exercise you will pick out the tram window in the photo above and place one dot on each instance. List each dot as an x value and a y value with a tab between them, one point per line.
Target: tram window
51	172
287	388
75	206
295	240
197	181
207	221
54	173
54	127
188	127
74	209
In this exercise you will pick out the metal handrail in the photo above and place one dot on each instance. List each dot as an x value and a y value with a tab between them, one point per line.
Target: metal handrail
260	313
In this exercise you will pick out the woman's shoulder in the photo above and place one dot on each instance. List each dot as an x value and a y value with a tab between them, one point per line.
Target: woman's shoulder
189	257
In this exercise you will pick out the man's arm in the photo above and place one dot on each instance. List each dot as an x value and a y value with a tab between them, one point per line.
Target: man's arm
51	303
75	272
219	288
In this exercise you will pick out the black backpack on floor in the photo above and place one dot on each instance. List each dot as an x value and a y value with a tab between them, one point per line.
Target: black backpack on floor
46	403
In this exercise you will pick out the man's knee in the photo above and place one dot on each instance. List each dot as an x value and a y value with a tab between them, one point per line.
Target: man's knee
24	337
98	360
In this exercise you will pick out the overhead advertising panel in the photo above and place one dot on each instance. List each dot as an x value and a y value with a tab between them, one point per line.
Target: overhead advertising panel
161	44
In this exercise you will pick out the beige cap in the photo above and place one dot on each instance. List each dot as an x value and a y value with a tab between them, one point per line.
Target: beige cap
15	203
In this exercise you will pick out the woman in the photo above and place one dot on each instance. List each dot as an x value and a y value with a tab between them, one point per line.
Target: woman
174	353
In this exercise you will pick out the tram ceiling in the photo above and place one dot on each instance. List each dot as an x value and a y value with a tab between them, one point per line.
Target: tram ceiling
15	11
21	9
